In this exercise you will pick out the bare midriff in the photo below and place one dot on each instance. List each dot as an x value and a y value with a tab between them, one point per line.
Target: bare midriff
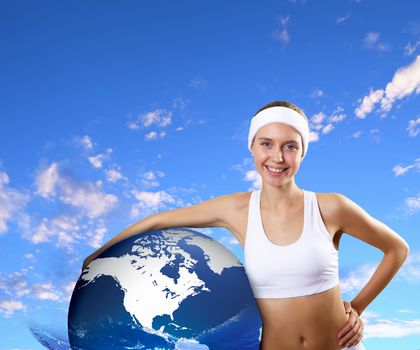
307	322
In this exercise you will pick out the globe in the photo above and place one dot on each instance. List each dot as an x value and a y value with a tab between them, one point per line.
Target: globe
165	289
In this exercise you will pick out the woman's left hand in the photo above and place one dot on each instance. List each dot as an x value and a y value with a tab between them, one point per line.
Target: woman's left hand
352	332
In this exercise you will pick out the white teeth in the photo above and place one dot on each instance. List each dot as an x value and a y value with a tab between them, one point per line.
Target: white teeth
275	170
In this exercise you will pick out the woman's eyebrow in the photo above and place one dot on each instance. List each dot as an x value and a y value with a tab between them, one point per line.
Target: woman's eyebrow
268	139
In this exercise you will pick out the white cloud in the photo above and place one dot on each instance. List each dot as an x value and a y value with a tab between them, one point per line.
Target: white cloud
45	291
150	175
198	82
413	127
410	48
97	236
337	117
283	20
368	103
87	197
15	285
8	307
159	117
318	118
11	203
357	279
412	204
97	161
4	179
374	134
114	175
313	136
254	177
341	19
87	142
371	41
150	201
131	124
65	230
180	103
376	326
327	129
150	178
394	328
317	94
68	290
405	82
400	170
406	311
151	136
42	233
47	181
29	256
357	134
247	169
317	126
282	34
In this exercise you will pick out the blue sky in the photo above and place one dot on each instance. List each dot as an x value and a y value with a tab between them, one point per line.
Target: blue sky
111	111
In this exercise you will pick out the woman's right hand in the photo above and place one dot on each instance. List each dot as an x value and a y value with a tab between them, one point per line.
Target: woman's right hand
87	261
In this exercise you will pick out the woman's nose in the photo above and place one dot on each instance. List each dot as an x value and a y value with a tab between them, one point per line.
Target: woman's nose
278	155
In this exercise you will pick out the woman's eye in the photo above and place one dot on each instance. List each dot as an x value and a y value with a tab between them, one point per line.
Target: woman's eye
291	147
265	143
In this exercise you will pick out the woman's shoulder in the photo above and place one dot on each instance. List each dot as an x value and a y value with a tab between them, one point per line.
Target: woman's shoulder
331	198
335	206
233	201
239	200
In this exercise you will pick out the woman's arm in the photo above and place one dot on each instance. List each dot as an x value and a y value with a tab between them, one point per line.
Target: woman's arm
352	219
356	222
211	213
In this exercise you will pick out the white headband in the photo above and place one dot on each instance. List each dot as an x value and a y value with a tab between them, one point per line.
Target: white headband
284	115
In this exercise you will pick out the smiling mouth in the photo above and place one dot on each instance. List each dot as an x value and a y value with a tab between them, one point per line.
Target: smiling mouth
275	170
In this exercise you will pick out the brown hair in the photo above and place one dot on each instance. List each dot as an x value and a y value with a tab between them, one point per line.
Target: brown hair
283	104
286	104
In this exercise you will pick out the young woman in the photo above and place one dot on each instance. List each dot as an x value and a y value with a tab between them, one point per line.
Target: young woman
290	238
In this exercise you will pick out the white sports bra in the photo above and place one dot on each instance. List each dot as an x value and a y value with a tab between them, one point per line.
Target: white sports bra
307	266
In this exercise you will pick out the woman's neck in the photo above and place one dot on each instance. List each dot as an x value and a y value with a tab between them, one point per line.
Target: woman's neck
277	198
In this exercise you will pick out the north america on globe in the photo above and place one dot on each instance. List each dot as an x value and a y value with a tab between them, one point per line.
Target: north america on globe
165	289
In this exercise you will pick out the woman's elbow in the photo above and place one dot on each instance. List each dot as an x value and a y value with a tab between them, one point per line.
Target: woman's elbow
405	249
401	250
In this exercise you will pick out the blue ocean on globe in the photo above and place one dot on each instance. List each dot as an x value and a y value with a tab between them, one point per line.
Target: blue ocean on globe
164	289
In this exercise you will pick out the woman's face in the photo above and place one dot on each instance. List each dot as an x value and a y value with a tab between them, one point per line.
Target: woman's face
278	146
